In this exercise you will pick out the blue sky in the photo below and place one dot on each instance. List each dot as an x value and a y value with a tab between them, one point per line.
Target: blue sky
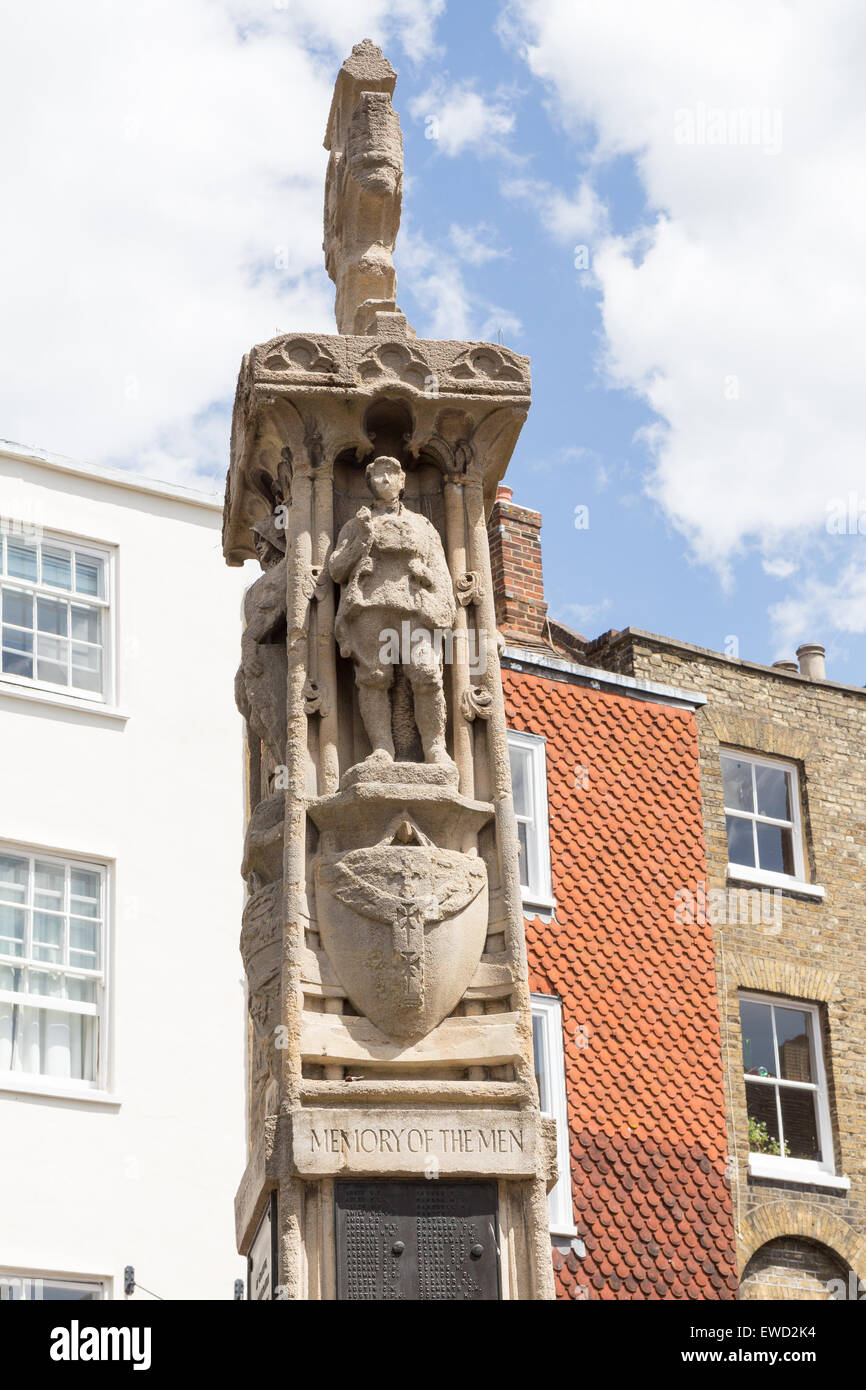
697	386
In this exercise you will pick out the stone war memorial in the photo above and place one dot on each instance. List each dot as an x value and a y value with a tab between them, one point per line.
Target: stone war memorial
396	1145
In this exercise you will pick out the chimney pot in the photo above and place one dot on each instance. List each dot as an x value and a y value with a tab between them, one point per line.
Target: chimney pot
785	665
503	493
811	659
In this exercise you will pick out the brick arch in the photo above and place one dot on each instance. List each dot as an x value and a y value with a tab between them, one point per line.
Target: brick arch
793	1267
762	735
794	978
790	1217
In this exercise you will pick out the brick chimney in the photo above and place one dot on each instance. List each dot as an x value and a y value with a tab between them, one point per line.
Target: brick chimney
515	560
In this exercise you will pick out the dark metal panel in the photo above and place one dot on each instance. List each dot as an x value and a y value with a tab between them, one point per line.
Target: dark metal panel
419	1241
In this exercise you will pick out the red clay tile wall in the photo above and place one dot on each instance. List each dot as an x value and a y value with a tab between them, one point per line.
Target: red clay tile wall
640	1017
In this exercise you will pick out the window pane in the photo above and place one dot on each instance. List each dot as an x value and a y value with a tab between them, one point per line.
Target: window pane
52	649
47	982
86	668
737	782
17	640
13	878
539	1052
85	623
48	886
51	671
47	937
16	664
51	616
523	847
88	575
84	886
773	785
11	977
83	990
757	1025
520	783
741	845
17	608
20	560
83	937
792	1035
57	568
800	1124
763	1119
57	1291
775	849
13	923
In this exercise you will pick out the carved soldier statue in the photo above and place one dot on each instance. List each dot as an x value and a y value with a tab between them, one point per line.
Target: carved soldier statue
395	579
260	684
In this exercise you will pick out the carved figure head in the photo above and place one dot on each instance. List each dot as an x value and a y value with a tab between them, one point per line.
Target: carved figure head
385	478
269	538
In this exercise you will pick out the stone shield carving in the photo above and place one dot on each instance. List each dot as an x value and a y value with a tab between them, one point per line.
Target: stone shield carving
404	927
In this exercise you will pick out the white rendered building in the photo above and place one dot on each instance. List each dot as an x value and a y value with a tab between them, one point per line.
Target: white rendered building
122	1011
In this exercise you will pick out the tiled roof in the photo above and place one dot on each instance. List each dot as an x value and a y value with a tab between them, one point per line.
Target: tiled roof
640	1016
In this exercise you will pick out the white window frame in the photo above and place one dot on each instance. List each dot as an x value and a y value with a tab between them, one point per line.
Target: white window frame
774	1165
105	553
553	1099
753	872
539	891
31	1282
39	1083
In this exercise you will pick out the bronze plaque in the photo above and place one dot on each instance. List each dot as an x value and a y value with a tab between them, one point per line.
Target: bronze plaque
418	1241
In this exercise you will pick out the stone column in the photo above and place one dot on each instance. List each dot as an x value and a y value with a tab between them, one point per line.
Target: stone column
455	531
326	667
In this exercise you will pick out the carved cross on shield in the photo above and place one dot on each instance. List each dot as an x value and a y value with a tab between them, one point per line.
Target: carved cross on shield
404	925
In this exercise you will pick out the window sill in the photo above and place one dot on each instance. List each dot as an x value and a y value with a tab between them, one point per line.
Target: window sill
790	1170
54	1090
47	697
763	878
536	902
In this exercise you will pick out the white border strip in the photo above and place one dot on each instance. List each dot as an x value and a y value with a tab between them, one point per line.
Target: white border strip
116	477
599	679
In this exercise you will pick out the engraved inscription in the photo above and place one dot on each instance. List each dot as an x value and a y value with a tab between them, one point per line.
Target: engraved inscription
390	1140
351	1142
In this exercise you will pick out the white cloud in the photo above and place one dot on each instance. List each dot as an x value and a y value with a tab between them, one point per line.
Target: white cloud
738	312
586	613
451	308
778	567
820	607
565	218
340	23
474	244
457	118
163	181
570	456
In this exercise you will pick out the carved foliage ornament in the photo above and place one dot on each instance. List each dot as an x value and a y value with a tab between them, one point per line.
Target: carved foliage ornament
468	588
